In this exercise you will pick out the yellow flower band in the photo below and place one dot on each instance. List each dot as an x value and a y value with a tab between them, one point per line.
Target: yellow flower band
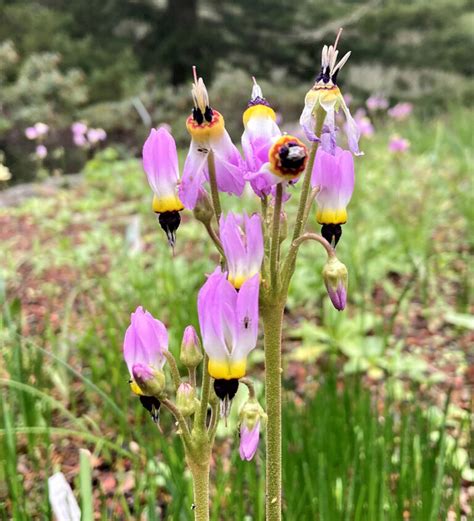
206	129
135	389
328	216
227	369
258	111
170	203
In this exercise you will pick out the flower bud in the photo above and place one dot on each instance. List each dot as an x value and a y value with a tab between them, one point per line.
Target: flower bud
186	399
335	278
203	210
150	381
251	417
191	351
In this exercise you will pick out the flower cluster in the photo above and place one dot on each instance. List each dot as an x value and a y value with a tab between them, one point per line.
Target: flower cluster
85	137
250	271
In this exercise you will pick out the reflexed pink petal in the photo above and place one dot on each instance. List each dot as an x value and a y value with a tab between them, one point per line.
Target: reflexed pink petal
263	180
193	175
160	162
229	165
145	341
334	174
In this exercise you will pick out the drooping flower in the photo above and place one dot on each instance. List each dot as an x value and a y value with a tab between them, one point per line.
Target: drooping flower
376	102
325	97
208	135
398	145
145	342
335	277
260	131
242	240
229	326
160	162
400	111
334	175
251	416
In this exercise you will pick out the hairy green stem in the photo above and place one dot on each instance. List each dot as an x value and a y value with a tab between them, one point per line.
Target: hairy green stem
303	211
274	269
250	386
215	239
206	387
272	314
200	474
183	426
176	377
315	237
216	203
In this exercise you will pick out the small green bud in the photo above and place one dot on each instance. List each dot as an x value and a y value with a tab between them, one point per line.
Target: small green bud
186	399
191	351
335	277
251	413
203	210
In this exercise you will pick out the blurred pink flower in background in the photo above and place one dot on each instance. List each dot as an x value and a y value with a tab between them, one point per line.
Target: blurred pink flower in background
400	111
79	128
398	145
94	135
364	123
37	130
348	98
31	133
41	151
376	102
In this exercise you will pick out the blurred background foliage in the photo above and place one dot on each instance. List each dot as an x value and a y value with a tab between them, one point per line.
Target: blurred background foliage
97	61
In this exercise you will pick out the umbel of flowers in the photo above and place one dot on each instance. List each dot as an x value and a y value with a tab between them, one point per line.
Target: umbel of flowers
250	284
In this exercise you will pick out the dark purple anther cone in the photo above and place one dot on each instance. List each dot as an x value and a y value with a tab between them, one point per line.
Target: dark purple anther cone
258	101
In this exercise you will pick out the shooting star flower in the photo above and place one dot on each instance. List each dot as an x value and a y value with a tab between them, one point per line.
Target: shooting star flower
326	98
208	135
160	162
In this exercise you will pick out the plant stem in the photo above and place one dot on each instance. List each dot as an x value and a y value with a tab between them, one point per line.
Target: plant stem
215	238
318	238
216	203
200	473
272	314
176	377
303	211
275	239
206	385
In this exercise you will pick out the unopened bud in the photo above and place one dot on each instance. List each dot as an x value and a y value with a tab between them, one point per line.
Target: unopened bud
151	382
252	416
251	413
336	278
186	399
203	210
191	351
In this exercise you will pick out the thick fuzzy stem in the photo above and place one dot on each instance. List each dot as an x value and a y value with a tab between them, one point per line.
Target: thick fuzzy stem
272	314
200	474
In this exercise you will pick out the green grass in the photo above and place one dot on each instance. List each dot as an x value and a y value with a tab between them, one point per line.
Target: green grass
351	452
